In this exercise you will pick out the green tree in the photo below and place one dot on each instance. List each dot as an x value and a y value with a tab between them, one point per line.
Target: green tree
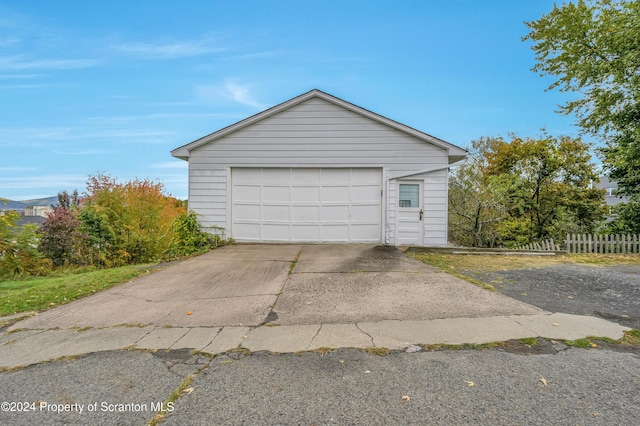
592	48
19	253
514	192
475	207
549	184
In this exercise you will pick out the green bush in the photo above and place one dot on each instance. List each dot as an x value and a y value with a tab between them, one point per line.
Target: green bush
190	238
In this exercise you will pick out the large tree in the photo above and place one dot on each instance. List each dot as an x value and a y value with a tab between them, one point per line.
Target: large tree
515	192
475	207
592	48
548	182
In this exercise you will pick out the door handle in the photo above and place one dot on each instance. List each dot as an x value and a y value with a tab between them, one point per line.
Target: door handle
421	214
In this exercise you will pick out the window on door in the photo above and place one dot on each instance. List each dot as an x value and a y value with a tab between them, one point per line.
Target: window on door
409	195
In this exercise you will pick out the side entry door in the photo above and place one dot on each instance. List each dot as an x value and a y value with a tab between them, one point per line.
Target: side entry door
410	213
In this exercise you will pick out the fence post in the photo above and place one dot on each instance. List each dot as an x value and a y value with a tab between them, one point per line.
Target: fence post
625	244
600	243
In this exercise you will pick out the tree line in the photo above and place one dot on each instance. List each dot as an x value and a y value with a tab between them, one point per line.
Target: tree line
511	192
111	224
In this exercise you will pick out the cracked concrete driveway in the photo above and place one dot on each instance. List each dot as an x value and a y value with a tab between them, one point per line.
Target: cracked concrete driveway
253	284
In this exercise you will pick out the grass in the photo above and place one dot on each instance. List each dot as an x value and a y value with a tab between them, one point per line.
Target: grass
529	341
39	294
456	263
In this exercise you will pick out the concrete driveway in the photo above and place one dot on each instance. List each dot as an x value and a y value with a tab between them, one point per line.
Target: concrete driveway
284	284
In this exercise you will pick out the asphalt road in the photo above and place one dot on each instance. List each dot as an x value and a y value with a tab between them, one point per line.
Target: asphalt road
347	386
609	292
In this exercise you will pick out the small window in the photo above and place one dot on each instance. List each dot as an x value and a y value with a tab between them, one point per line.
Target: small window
409	195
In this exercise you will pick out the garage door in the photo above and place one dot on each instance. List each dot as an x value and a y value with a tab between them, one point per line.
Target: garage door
306	205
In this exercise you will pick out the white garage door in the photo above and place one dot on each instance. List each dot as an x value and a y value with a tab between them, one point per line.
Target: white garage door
307	205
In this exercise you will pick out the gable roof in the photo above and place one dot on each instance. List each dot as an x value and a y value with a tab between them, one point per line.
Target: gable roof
455	153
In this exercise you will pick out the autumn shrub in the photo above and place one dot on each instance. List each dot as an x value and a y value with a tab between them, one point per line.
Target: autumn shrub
61	238
19	255
130	222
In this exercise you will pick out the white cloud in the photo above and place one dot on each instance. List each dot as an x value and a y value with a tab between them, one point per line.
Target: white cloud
16	76
28	135
230	90
22	62
241	95
8	41
90	151
56	182
171	50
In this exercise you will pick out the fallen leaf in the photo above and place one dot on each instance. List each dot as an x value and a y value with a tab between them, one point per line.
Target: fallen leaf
469	383
187	390
341	361
594	414
189	313
406	398
543	381
555	324
593	345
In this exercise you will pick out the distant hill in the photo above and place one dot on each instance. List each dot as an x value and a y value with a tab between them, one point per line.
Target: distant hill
6	204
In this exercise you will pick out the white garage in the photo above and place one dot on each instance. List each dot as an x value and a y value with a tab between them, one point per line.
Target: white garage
307	204
319	169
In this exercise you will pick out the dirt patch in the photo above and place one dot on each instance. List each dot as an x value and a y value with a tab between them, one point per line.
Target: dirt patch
609	292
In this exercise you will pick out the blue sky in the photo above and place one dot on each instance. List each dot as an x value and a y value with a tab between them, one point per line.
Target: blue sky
113	86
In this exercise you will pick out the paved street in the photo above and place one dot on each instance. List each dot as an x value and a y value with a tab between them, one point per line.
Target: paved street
346	386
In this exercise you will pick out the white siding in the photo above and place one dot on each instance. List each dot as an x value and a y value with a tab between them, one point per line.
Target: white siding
318	133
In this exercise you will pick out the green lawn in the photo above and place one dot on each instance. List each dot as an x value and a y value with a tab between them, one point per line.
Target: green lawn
38	294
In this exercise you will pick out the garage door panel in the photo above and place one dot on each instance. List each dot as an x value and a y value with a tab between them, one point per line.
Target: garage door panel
246	212
365	193
366	213
275	232
365	176
272	176
305	232
305	194
247	192
248	176
336	176
274	213
245	230
335	233
305	214
362	232
305	176
306	205
335	213
274	194
331	194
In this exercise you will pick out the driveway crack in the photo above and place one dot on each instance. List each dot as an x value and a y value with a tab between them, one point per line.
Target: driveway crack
366	334
314	337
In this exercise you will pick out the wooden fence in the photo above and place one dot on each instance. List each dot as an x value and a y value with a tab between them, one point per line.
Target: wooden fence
602	243
543	245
